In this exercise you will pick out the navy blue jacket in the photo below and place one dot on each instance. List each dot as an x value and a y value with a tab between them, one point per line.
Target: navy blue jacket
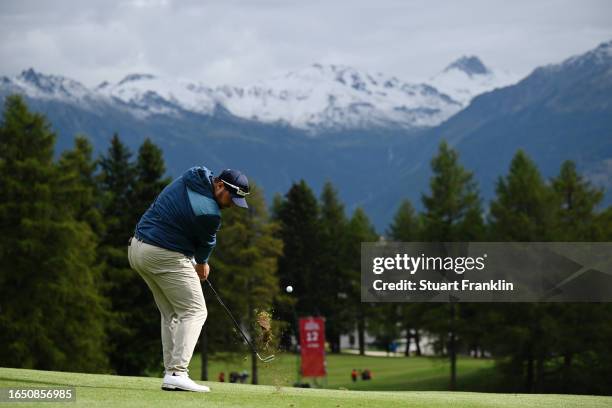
184	217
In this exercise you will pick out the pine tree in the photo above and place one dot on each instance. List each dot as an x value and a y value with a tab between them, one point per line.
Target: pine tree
133	329
452	211
359	230
604	222
578	200
78	185
276	207
525	208
300	232
452	214
149	181
45	254
116	181
578	327
405	226
332	283
298	217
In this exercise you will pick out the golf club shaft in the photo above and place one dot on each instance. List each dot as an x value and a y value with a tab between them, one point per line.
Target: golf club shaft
229	313
231	316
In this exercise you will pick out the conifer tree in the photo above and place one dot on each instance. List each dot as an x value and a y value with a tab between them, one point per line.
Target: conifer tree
333	274
78	185
524	208
116	182
578	327
405	225
133	328
579	200
149	180
275	208
300	232
359	230
452	213
52	313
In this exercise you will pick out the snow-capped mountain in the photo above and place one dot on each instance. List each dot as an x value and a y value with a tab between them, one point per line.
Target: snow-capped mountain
601	56
149	94
468	77
315	98
37	85
332	96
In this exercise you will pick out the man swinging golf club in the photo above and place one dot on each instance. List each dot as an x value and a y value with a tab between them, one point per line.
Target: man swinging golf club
182	223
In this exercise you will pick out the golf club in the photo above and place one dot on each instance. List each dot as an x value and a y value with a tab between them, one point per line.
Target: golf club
229	313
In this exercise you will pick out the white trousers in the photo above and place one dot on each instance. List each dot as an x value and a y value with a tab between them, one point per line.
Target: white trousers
178	294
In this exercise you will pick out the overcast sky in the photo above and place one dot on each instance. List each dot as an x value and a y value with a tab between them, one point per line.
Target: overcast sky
238	42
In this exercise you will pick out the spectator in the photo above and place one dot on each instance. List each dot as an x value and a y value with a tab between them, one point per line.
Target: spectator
244	376
221	376
354	375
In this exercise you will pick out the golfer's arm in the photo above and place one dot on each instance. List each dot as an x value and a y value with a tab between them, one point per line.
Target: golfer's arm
208	227
204	250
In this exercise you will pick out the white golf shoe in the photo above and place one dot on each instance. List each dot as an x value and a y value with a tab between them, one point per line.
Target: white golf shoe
182	382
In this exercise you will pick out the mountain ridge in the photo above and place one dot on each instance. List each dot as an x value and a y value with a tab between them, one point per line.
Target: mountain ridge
318	98
558	112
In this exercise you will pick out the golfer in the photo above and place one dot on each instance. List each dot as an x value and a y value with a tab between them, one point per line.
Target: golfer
182	224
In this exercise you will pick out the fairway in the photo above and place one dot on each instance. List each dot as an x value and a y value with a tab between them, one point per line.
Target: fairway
389	373
114	391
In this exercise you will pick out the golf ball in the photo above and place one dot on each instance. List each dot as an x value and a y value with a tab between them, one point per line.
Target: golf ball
289	289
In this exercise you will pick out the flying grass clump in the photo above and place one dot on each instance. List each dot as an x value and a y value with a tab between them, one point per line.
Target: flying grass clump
264	324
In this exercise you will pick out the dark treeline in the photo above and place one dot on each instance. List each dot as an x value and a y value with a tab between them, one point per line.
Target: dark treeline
542	347
69	301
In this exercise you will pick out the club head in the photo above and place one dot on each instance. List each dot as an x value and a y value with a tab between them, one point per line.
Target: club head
265	359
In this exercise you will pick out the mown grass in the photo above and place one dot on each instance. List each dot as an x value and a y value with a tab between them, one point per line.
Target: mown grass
389	373
123	392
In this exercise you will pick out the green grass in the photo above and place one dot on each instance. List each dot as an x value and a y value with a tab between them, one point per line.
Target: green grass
389	374
122	392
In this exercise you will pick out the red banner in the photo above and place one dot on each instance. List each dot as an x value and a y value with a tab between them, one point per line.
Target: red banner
312	344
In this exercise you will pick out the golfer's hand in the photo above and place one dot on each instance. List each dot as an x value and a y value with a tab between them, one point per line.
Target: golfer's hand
202	270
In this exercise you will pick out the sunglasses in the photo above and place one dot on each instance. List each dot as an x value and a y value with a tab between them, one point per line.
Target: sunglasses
236	189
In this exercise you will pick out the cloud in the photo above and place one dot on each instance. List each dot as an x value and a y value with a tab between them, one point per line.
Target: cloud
240	42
